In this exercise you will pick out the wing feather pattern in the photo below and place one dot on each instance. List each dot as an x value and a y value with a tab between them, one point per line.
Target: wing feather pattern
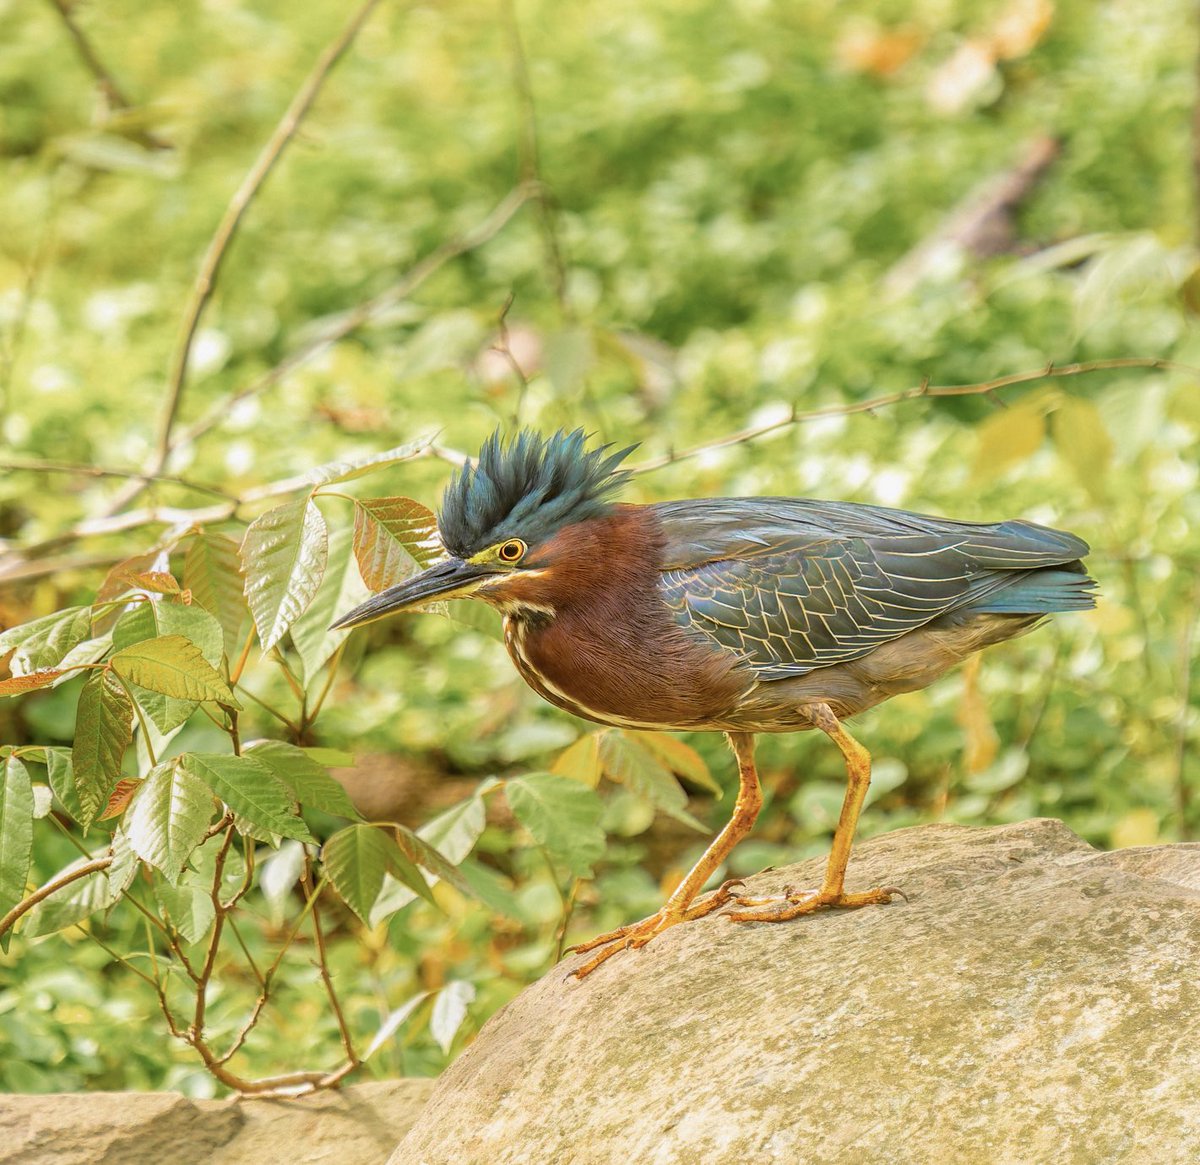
792	584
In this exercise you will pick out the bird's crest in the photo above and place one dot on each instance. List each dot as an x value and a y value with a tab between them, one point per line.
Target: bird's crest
529	486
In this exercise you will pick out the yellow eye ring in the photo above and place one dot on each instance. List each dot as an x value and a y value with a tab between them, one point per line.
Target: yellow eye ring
512	551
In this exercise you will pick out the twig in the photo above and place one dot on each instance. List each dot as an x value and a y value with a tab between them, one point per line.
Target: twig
502	348
114	96
323	968
38	465
196	1028
1049	372
210	265
340	326
42	892
530	162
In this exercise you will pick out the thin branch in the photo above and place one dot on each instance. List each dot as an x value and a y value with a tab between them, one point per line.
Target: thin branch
37	465
347	322
530	161
196	1028
42	892
1049	372
114	96
210	266
323	968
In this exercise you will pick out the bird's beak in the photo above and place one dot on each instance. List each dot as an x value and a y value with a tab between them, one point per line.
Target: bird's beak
452	578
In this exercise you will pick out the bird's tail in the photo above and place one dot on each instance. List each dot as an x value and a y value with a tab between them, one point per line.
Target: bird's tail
1040	592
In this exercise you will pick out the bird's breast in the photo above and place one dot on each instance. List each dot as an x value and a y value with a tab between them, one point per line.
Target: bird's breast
621	674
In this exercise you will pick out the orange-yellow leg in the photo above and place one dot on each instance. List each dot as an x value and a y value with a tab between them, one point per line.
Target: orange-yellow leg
832	893
682	905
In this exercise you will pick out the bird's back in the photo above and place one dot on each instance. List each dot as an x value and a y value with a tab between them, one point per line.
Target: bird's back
796	586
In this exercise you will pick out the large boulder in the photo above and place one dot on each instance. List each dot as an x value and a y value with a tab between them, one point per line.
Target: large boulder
1034	1000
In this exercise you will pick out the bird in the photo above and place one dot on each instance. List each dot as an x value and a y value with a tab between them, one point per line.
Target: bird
740	615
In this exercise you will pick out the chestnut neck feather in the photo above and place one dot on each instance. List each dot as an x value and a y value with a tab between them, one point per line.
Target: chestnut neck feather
611	651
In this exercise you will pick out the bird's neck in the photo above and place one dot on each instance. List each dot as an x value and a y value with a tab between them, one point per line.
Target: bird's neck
594	636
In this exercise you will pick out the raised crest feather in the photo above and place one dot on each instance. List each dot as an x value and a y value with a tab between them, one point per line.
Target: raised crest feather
529	486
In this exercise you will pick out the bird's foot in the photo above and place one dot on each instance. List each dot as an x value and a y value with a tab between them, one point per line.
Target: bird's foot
638	934
793	903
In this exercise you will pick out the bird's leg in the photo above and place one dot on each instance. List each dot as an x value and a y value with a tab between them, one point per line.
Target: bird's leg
832	892
682	906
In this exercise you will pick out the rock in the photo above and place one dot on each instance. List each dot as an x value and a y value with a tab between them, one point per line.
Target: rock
357	1124
1033	1001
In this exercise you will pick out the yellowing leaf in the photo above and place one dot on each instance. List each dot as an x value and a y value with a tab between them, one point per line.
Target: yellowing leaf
391	536
174	666
1007	438
15	685
1084	442
212	571
581	760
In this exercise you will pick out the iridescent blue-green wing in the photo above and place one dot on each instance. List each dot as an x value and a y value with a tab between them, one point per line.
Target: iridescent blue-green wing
791	585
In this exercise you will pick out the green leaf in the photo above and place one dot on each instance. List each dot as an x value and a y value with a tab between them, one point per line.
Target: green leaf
212	571
355	860
416	849
455	832
392	536
189	909
562	815
175	667
43	801
103	730
341	590
278	874
250	788
169	816
449	1011
680	758
16	834
151	620
349	468
45	642
283	558
630	763
98	891
62	780
394	1019
309	781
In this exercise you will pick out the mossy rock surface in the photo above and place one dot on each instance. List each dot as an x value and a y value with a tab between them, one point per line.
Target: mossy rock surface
1034	1000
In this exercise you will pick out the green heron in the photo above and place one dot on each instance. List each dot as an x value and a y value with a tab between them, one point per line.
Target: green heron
737	615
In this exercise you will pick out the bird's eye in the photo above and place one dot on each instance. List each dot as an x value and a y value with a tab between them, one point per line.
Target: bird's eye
512	551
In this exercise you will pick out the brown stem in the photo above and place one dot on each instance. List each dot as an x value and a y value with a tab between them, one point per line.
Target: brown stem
196	1029
42	892
1049	372
326	978
356	317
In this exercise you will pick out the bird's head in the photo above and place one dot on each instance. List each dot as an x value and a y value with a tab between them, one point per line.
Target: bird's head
501	517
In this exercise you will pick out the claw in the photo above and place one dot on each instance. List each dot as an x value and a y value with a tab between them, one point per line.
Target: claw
637	934
793	903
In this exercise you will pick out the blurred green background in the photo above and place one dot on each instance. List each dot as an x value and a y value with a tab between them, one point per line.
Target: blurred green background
749	211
